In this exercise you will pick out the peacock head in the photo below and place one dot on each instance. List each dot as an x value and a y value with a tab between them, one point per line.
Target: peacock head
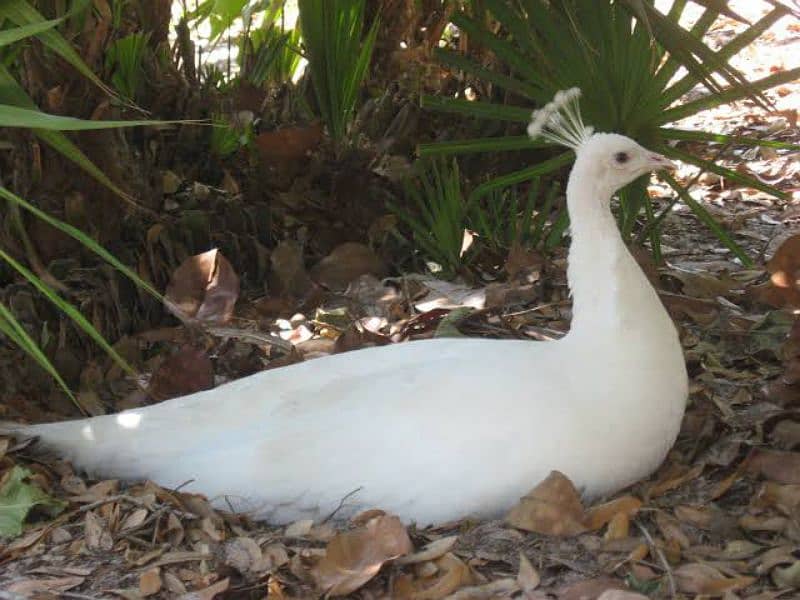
612	160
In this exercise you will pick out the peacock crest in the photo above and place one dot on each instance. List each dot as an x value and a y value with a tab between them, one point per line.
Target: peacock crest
560	121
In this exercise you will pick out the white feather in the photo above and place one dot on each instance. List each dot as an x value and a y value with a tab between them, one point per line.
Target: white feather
437	429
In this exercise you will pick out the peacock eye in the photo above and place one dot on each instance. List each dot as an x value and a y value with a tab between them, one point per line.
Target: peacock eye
621	157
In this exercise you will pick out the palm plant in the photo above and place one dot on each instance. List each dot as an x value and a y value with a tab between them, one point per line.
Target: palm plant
439	213
502	220
271	55
125	60
628	83
338	53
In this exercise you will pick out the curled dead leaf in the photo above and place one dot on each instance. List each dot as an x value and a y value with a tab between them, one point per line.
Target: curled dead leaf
784	270
354	557
553	507
602	514
431	551
204	287
444	577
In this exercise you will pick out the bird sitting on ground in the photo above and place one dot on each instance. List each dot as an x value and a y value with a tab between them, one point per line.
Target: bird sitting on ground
439	429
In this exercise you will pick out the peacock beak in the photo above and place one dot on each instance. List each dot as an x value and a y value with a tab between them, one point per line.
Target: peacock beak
658	162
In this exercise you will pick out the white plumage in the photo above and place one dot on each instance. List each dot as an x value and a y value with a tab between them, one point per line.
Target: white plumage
439	429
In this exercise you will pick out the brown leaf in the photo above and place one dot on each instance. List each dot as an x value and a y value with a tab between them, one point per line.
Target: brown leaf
600	515
786	498
243	555
621	595
588	589
208	593
150	582
96	534
354	557
698	578
784	269
288	267
288	145
344	264
523	263
432	551
553	507
674	477
31	587
204	287
134	519
528	577
787	577
187	371
448	574
783	467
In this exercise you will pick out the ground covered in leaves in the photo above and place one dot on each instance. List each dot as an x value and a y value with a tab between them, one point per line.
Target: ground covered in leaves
721	518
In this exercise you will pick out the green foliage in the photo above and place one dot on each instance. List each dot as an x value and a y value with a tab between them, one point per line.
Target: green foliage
626	79
338	55
18	498
17	109
501	220
271	55
125	61
227	138
439	215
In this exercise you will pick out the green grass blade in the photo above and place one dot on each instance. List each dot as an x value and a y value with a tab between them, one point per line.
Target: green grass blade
488	144
9	36
13	93
21	13
69	310
729	174
720	138
14	330
15	116
83	239
731	94
481	110
504	181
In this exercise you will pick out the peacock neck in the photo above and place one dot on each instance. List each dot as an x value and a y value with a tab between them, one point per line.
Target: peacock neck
608	288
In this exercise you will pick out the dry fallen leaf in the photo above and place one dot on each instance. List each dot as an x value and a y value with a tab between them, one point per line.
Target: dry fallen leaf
204	287
98	538
186	371
431	551
354	557
699	578
528	577
588	589
208	593
345	263
782	467
30	588
784	270
602	514
289	145
553	507
443	577
150	582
